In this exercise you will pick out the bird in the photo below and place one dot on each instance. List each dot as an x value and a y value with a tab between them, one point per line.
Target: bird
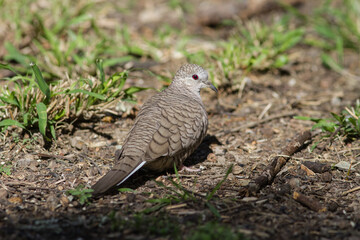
168	128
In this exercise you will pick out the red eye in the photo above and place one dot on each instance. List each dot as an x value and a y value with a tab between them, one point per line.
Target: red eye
195	77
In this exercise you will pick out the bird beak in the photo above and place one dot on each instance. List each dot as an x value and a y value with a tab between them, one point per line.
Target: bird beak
212	87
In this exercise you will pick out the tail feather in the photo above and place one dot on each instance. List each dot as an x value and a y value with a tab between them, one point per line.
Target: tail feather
116	176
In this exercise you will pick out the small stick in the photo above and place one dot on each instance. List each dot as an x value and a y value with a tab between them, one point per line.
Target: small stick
20	184
278	162
309	202
351	190
45	155
254	124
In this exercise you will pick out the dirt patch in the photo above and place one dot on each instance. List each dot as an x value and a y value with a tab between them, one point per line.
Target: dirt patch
35	205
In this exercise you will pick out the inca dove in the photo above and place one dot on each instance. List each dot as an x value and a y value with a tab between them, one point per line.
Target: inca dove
168	128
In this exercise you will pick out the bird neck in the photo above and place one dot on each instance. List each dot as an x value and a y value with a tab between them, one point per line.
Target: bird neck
184	90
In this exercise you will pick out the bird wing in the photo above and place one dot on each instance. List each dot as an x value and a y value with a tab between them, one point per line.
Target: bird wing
181	129
159	130
131	157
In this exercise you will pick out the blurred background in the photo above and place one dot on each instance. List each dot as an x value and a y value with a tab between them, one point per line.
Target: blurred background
73	75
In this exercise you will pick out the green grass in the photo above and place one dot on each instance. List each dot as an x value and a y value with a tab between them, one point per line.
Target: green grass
346	124
333	27
52	51
257	46
65	37
5	169
32	102
82	194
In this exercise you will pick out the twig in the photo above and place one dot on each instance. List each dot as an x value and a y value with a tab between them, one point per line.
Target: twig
313	204
351	113
351	190
278	162
20	183
266	109
254	124
45	155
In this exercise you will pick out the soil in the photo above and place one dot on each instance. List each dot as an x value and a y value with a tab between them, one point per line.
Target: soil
35	204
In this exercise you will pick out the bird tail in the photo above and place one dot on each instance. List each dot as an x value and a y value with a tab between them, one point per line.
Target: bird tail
117	175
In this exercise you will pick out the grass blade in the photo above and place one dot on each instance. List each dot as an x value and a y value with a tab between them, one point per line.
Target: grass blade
134	89
209	197
8	67
10	122
52	131
213	209
41	110
41	82
99	65
14	54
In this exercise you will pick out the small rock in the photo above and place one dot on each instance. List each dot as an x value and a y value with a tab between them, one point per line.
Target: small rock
326	177
284	189
52	165
64	201
75	204
3	194
292	82
294	183
52	202
317	167
77	143
130	197
229	157
335	101
342	165
98	144
231	177
15	200
211	157
244	182
237	170
25	161
34	166
221	160
218	150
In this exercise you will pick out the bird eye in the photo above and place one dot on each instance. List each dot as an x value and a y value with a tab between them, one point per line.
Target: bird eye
195	77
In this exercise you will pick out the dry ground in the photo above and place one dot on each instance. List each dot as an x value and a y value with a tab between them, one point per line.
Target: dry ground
34	203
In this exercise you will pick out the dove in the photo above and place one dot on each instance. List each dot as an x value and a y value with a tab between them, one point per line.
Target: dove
168	128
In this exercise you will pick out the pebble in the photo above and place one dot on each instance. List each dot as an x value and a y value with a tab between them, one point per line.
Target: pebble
326	177
211	157
229	157
294	183
52	202
3	194
237	170
52	165
77	143
16	200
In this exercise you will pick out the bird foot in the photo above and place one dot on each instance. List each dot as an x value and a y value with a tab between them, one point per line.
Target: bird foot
188	169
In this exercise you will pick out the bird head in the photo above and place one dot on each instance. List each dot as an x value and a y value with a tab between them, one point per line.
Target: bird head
193	77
